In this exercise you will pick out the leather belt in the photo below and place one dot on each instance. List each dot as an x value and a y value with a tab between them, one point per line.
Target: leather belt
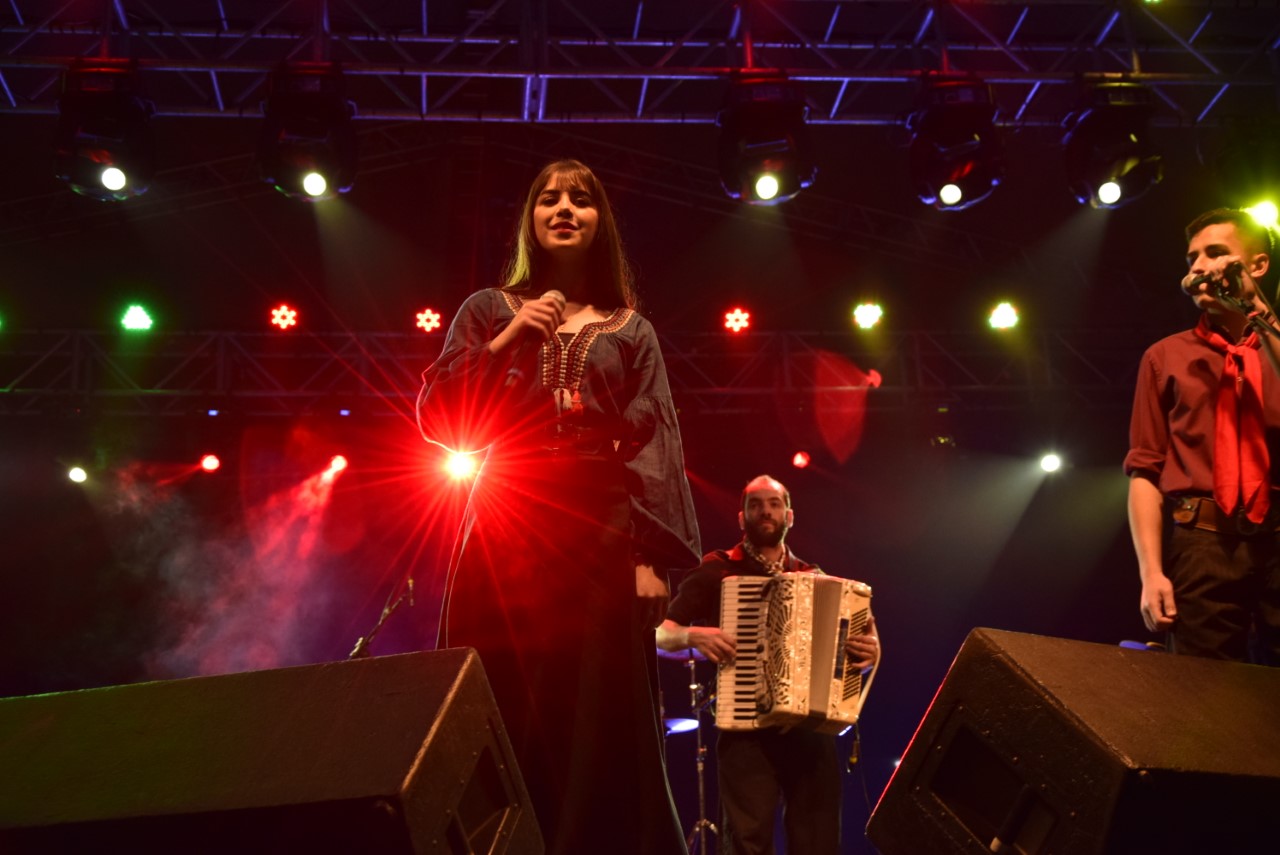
1203	512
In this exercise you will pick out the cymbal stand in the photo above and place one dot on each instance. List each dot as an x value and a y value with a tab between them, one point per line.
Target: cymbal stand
699	700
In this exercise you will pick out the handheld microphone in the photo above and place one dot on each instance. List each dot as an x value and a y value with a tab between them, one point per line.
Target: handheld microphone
516	374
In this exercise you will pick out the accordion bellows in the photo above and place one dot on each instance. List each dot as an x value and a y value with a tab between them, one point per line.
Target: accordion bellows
790	668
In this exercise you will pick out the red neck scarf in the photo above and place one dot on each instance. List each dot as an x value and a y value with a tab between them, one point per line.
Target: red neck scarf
1241	465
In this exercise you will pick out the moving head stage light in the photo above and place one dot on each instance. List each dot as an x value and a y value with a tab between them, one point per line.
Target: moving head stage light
764	151
103	146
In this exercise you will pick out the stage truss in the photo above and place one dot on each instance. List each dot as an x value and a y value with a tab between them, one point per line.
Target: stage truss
631	61
88	374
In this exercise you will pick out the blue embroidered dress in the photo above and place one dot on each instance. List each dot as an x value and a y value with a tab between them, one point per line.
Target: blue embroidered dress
584	473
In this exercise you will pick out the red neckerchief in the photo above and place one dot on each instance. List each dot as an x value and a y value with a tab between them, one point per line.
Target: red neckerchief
1241	465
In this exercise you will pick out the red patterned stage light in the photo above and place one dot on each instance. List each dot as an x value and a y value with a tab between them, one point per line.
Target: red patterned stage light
284	317
210	463
737	320
428	320
800	460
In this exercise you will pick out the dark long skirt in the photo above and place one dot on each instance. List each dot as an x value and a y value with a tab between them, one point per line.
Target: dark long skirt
543	586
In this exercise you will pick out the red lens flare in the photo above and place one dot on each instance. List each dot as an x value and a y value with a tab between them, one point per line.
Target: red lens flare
460	466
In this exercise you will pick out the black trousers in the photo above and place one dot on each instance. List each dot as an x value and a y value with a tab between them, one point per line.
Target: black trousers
759	768
1227	592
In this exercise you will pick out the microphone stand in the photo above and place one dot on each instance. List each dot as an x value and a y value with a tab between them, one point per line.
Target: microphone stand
1254	319
699	704
361	650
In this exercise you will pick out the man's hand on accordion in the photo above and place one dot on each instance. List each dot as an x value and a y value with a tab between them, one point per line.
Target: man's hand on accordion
712	642
864	650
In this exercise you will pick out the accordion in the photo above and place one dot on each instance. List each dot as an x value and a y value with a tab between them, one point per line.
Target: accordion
791	668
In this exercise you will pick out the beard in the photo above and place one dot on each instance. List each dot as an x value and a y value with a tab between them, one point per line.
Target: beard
761	536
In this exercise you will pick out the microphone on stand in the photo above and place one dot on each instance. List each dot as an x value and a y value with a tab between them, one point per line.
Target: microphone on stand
1229	285
516	374
1192	286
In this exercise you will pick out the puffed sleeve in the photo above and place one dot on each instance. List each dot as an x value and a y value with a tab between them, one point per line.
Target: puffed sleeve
1148	425
664	527
460	404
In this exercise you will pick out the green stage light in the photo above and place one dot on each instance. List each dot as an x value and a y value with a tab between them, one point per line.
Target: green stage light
136	319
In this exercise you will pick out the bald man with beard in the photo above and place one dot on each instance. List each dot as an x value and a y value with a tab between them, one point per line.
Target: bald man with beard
759	769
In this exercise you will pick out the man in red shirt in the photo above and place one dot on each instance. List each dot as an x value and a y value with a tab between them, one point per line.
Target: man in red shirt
1204	455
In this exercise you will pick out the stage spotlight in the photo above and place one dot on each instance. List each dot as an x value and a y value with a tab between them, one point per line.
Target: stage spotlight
210	463
77	474
1004	316
103	147
737	320
867	315
800	459
460	465
764	152
1264	214
283	316
428	320
957	157
337	464
307	149
136	319
1050	463
1109	157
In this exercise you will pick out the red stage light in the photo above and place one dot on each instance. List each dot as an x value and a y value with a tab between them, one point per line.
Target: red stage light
800	460
460	465
429	320
737	320
210	462
284	317
336	464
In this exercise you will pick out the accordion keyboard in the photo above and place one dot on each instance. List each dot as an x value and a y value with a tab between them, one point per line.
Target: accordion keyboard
742	615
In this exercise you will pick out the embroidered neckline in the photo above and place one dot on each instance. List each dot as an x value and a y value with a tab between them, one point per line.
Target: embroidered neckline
563	364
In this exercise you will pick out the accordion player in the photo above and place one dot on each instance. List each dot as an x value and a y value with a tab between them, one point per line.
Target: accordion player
791	668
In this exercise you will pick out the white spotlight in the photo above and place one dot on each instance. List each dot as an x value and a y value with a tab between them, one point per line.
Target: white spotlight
315	184
1109	193
1051	463
113	178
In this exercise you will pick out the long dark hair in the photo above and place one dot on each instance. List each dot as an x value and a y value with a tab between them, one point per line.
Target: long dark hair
609	280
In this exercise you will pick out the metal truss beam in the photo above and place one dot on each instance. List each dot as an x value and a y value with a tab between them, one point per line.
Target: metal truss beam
652	61
377	374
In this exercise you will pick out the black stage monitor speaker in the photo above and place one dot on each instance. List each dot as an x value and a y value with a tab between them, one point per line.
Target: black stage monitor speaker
1043	746
397	754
